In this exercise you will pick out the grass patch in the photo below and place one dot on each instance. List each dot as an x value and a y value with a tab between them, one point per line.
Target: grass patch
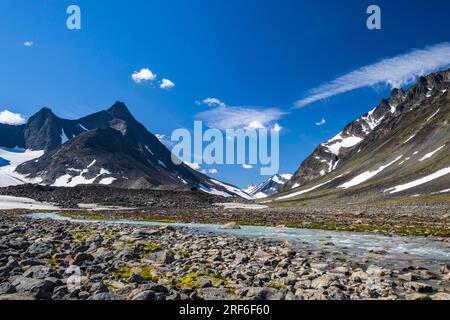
430	198
411	230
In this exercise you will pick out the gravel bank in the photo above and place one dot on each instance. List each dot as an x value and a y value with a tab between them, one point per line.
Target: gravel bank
62	260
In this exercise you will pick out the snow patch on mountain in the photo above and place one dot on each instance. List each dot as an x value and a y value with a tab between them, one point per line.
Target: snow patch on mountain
420	181
363	177
268	187
64	138
307	190
431	154
12	159
433	115
335	144
232	189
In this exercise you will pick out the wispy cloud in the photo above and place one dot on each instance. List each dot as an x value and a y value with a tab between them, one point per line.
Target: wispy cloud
144	74
229	117
28	43
8	117
166	84
321	122
211	102
247	166
395	72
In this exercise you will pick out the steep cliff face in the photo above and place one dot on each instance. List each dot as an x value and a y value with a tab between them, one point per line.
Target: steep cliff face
405	137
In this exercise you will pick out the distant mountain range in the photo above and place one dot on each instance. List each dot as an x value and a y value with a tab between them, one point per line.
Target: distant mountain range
399	149
109	147
269	187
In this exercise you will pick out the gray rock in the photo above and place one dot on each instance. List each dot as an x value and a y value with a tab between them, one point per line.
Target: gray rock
445	269
441	296
105	296
144	295
16	297
263	294
162	257
7	288
215	294
99	287
419	287
323	281
42	289
81	258
37	272
230	226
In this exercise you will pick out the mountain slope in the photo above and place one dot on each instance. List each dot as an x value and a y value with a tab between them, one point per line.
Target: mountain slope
268	187
108	148
399	149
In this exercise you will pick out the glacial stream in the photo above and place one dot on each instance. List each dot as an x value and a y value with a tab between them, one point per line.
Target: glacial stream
389	251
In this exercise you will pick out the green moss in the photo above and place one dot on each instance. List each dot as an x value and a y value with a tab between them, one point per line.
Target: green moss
148	248
149	274
430	198
185	253
189	280
123	273
55	262
278	286
411	230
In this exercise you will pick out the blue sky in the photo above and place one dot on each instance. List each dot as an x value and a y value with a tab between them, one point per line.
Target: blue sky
249	54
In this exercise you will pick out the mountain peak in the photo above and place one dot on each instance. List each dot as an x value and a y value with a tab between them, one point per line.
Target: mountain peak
45	111
119	110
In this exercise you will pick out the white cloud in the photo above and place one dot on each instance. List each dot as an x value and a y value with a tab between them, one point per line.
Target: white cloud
7	117
192	165
213	171
28	43
166	84
277	127
226	117
247	166
321	122
144	75
211	102
255	125
395	72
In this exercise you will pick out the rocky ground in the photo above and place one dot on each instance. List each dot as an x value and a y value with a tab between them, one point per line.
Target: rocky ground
62	260
404	218
103	195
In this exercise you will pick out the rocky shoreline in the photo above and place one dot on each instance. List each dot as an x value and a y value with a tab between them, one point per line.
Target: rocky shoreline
61	260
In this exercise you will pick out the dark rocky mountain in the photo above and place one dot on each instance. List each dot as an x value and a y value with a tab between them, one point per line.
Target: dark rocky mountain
269	187
109	147
400	148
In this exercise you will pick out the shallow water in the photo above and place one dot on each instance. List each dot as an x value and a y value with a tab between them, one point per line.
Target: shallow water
397	251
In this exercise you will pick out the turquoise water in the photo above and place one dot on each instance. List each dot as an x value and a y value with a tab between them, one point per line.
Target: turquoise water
398	251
